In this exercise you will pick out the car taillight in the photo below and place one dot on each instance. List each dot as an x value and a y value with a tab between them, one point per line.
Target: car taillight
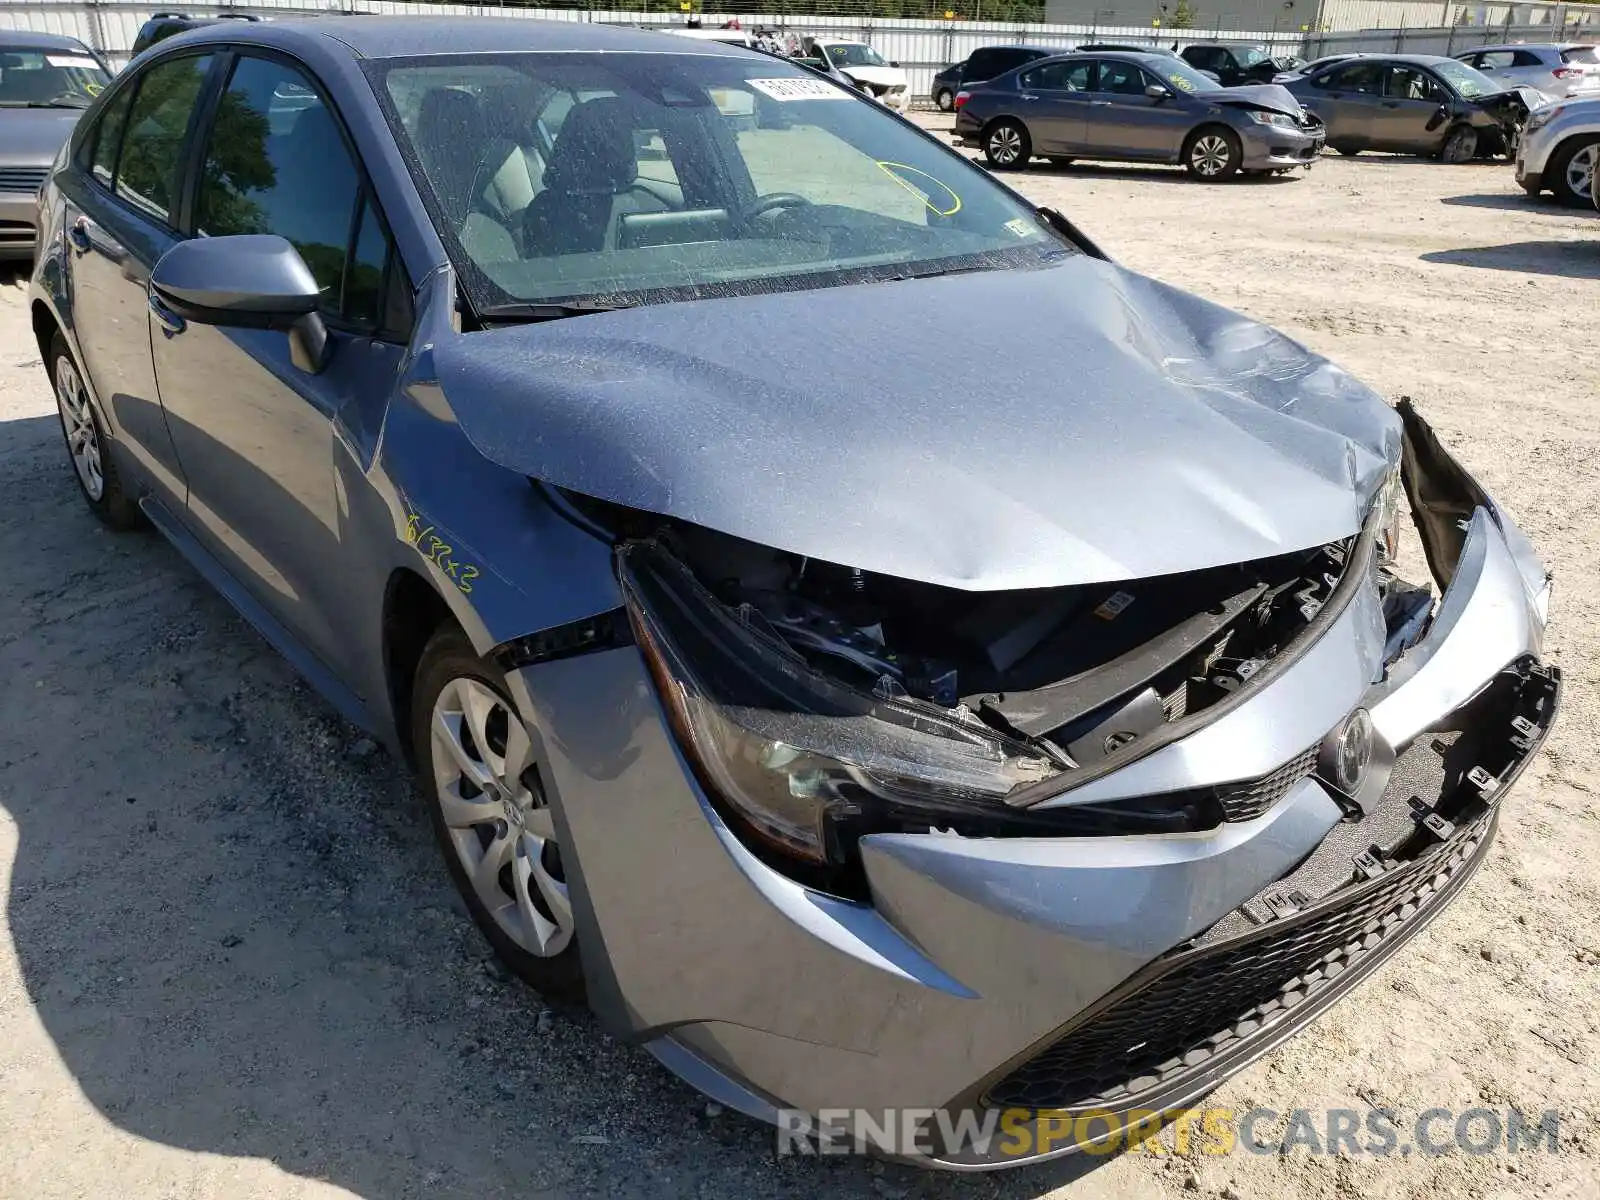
1568	72
962	98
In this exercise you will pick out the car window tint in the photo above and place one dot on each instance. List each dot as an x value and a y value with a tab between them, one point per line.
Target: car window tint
363	285
1359	77
1120	78
1407	83
1526	58
983	64
276	163
149	167
107	137
1059	77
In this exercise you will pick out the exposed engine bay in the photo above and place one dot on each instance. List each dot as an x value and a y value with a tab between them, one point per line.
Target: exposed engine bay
825	702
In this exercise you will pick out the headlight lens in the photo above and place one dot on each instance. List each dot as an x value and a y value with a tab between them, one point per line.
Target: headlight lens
1541	117
1281	120
792	753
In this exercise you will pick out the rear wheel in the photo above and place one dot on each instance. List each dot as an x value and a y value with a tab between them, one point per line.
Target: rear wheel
1460	145
1212	153
1006	144
92	463
1571	171
487	804
946	100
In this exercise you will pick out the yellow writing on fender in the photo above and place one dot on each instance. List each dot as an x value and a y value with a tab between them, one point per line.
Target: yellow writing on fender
440	553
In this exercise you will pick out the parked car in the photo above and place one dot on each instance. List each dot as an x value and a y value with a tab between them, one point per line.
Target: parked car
163	25
1059	753
1237	64
1312	67
46	81
1559	151
868	70
1416	104
983	63
1135	108
1132	48
1559	70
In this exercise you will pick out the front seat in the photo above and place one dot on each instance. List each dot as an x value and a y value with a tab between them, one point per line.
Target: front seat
453	142
591	182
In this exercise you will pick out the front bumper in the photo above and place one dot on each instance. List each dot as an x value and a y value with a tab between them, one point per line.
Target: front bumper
19	217
1268	147
1042	975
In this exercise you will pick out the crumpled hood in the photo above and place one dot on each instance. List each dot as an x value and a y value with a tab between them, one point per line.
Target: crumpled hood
1006	429
31	137
1272	96
881	76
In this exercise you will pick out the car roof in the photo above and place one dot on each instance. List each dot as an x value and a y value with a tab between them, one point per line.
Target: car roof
1022	46
41	41
399	37
1522	46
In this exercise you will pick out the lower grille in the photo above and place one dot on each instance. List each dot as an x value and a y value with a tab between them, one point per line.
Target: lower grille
1246	801
27	180
1204	999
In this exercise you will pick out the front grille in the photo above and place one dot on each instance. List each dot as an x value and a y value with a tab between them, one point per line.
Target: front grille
23	179
1199	1002
1248	800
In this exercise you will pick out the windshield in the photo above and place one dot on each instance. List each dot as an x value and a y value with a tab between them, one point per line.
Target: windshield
1251	56
42	78
1468	82
1184	77
640	178
854	54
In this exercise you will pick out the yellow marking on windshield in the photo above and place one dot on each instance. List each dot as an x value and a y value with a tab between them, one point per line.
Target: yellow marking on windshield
890	169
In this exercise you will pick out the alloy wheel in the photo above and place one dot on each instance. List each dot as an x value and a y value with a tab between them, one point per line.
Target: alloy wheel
83	437
1580	170
1210	155
1005	144
489	794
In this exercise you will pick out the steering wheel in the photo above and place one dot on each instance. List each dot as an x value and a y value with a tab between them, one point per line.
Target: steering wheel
771	202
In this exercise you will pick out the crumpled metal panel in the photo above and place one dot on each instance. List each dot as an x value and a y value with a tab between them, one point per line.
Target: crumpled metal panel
1007	429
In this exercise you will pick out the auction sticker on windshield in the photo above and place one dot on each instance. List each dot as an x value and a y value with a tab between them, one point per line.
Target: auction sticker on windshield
72	60
799	89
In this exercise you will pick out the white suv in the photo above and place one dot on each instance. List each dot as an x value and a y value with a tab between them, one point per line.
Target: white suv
1558	69
1559	148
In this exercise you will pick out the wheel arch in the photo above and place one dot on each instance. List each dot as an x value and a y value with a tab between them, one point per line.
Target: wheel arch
413	610
45	327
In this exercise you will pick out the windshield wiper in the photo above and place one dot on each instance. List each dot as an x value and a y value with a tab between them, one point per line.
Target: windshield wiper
41	104
530	311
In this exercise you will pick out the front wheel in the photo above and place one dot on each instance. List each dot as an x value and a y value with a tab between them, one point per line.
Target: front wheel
1213	153
92	463
1461	146
946	100
1006	145
486	801
1571	172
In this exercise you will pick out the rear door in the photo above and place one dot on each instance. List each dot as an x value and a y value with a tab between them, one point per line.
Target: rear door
1407	116
124	201
1054	101
1346	98
259	437
1126	123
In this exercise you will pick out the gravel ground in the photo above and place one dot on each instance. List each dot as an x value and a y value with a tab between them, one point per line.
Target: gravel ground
233	964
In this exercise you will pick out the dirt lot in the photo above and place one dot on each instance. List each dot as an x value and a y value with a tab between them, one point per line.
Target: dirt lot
233	965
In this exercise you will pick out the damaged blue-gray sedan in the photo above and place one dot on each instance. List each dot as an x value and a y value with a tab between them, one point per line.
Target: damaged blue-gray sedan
876	649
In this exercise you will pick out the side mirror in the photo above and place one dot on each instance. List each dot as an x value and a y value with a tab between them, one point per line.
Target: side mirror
894	64
250	281
1156	92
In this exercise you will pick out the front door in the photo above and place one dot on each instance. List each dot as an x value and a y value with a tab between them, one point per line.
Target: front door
1124	122
1408	116
255	432
120	218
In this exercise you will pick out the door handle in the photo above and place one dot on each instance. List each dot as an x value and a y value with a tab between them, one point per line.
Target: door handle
1099	104
1028	96
171	323
78	235
1391	104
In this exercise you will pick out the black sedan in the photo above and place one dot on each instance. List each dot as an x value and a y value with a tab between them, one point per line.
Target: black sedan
1416	104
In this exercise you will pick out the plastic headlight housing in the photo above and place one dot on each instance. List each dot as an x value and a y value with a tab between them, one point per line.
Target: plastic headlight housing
1388	506
1281	120
789	752
1541	117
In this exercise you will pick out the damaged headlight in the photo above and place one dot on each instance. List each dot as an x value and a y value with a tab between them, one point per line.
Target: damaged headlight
1281	120
1541	117
792	753
1388	523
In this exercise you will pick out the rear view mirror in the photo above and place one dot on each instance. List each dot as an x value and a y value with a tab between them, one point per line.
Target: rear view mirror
253	281
1156	92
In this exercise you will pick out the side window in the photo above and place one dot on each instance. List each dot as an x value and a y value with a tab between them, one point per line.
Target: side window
150	165
1406	83
984	64
1496	59
1121	78
363	283
106	137
1361	77
275	163
1206	58
1059	77
1526	58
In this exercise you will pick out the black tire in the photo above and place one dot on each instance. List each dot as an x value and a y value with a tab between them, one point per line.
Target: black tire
1557	170
1212	153
1347	151
1460	145
1059	160
945	100
1006	144
448	657
112	504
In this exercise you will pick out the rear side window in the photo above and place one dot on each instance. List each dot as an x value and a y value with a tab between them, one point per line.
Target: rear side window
150	165
275	162
106	138
1497	59
984	64
1580	54
1358	77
